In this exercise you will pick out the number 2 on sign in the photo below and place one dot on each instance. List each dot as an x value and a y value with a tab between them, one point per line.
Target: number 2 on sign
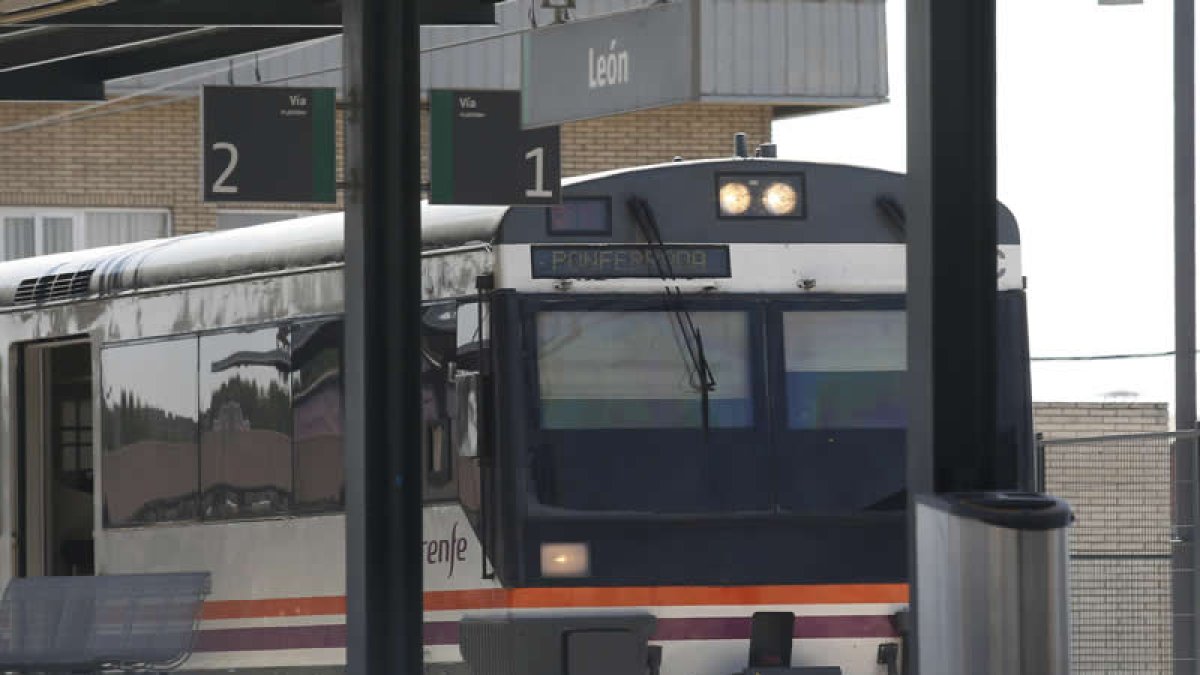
538	155
219	186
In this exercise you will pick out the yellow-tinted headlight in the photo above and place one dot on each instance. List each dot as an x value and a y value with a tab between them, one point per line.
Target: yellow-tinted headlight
566	560
779	199
735	199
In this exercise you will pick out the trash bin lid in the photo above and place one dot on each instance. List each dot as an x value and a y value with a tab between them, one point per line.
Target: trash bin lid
1015	510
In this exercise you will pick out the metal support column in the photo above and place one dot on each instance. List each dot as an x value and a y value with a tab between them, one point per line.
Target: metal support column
382	357
951	255
1186	562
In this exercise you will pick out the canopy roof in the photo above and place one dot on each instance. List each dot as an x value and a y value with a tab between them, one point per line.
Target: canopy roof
61	50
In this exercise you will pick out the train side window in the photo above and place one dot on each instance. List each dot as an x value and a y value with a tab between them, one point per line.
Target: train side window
317	416
439	353
149	418
437	448
245	423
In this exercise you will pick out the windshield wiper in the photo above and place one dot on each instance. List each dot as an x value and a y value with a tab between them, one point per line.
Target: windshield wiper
693	342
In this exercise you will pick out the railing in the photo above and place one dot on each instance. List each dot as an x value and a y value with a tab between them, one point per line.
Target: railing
1122	548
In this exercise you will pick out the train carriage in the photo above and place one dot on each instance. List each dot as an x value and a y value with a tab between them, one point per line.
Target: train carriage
659	419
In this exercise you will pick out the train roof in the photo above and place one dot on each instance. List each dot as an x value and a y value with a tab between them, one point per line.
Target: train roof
318	240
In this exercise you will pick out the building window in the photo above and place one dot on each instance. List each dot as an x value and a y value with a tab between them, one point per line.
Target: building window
231	220
29	232
108	228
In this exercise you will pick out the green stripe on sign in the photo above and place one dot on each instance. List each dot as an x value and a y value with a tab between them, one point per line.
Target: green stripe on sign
441	146
324	146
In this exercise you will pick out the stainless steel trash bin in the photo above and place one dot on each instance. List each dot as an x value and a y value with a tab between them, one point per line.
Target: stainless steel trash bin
992	584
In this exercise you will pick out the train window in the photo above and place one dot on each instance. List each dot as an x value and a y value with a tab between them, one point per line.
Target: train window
149	432
245	423
632	370
580	216
437	401
317	416
845	370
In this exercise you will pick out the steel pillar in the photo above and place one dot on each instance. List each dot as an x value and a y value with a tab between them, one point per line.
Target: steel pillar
1185	561
951	256
382	357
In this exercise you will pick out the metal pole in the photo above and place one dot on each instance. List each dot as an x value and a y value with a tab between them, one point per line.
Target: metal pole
1187	562
382	358
951	257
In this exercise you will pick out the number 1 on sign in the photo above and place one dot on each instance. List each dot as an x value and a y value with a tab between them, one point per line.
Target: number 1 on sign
538	155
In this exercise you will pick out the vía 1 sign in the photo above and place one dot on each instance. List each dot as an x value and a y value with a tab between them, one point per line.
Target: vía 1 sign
480	155
609	65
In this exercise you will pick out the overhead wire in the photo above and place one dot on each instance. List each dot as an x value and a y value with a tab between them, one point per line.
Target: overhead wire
1106	357
82	111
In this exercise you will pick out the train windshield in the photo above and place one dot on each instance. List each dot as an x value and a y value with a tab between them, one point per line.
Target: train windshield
806	412
845	370
640	370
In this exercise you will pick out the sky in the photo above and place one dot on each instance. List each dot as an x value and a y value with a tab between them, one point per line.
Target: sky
1084	137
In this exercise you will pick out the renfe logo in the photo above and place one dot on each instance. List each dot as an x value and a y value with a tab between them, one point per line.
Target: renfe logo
609	68
450	550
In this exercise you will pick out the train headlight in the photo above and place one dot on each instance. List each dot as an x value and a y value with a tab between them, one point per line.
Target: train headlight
735	199
779	199
566	560
765	194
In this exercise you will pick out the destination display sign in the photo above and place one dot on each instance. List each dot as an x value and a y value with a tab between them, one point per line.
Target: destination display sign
609	65
630	261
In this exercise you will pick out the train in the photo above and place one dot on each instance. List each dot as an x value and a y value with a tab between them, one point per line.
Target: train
663	424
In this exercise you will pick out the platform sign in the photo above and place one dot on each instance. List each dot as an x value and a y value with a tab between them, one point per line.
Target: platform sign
480	155
615	64
268	144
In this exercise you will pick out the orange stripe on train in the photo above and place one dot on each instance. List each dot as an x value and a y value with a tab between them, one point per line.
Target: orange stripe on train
524	598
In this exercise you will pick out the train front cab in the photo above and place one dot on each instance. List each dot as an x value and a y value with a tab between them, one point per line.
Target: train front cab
662	475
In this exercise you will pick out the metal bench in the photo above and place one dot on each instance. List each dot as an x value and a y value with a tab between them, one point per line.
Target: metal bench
142	622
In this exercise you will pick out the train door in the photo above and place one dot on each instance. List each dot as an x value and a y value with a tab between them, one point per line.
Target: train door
56	506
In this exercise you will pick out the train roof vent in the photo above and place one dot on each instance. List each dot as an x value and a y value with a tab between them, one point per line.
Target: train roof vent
53	287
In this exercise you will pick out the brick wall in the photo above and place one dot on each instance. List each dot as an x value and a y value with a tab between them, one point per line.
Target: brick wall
144	153
1120	491
1071	420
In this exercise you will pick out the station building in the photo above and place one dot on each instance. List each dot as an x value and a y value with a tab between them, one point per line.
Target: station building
78	175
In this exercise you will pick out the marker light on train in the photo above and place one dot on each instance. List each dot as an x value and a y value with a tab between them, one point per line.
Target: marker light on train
735	199
779	199
566	560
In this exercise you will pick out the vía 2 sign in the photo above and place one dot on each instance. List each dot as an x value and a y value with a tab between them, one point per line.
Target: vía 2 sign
609	65
268	144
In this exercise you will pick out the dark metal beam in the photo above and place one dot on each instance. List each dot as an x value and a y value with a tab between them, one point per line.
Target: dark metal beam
952	255
56	46
252	13
49	85
383	301
266	13
189	50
